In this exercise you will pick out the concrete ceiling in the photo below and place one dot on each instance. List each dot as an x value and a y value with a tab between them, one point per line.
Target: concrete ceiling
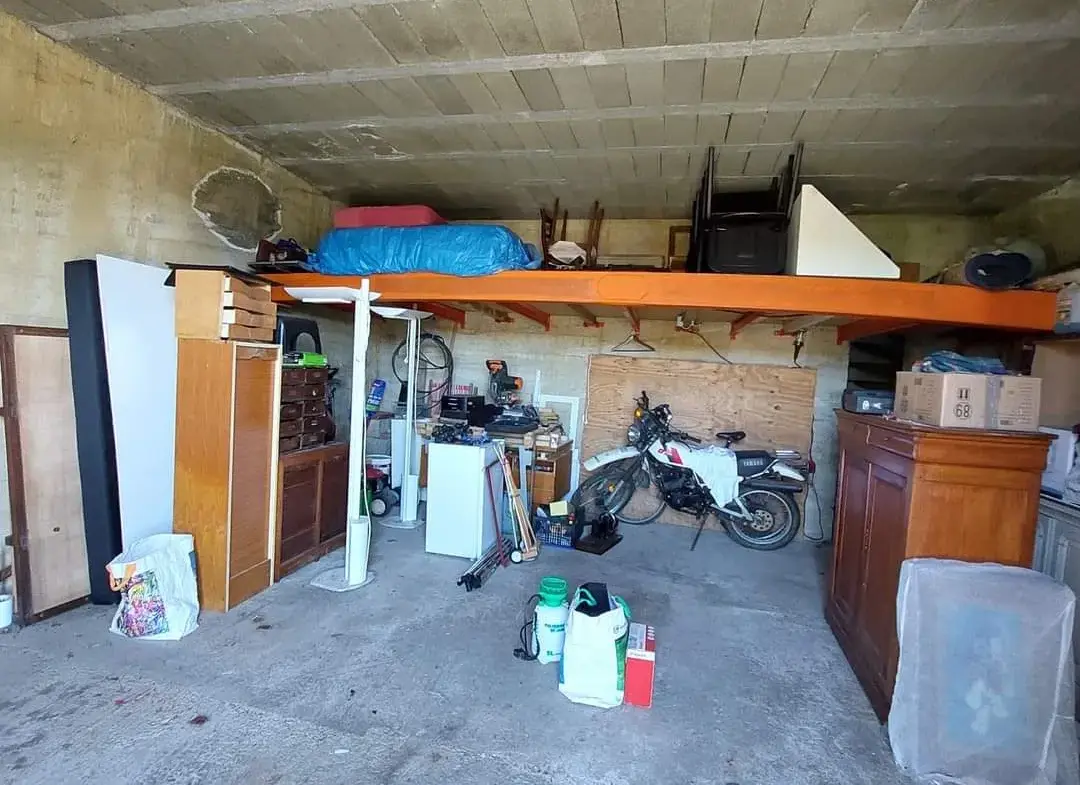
491	108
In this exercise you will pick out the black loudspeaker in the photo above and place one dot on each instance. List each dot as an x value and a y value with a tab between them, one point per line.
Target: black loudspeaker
297	334
93	425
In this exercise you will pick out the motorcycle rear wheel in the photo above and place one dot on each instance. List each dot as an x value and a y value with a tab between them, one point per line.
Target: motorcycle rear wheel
776	520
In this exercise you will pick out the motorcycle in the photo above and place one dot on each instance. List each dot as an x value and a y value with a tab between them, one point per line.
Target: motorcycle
751	491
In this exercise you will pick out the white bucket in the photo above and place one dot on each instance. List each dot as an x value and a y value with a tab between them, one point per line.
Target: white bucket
549	632
380	462
6	607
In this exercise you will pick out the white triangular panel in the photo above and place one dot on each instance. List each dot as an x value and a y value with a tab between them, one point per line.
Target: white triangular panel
822	241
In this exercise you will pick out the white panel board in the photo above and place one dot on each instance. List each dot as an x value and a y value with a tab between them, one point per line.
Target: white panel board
137	316
822	241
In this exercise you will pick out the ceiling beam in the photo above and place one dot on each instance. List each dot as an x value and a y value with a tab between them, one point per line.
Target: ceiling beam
967	147
855	178
719	50
190	15
855	104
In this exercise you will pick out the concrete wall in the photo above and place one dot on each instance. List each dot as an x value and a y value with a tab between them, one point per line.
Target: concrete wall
931	241
90	163
561	357
1052	219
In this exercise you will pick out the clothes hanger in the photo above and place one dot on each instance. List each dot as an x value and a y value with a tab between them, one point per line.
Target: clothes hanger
633	343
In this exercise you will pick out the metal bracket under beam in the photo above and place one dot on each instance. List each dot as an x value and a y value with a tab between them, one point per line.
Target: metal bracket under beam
635	320
498	314
745	321
443	311
587	316
864	328
792	326
543	318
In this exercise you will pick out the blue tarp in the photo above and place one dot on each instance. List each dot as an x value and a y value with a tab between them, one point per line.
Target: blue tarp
453	249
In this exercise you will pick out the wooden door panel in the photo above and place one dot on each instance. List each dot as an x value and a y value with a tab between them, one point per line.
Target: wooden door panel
255	379
45	494
335	496
846	577
886	512
299	501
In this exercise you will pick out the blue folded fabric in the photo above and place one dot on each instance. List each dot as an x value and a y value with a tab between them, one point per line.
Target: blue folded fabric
950	362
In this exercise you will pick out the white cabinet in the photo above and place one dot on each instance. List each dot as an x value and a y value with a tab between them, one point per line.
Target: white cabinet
1057	550
462	481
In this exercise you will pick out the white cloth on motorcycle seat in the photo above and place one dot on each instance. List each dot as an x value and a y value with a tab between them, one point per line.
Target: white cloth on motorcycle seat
717	468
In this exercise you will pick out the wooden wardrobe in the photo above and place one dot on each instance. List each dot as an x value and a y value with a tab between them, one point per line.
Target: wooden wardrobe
227	398
906	491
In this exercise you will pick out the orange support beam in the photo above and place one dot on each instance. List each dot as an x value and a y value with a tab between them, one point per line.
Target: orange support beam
745	321
543	318
442	311
864	328
855	298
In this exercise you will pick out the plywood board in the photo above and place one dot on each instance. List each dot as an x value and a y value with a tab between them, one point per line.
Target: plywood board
773	404
46	496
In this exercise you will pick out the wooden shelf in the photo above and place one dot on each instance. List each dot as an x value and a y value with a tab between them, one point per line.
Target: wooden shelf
873	306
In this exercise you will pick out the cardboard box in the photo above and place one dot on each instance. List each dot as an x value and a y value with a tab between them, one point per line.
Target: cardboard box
1068	308
550	475
969	400
640	665
1057	363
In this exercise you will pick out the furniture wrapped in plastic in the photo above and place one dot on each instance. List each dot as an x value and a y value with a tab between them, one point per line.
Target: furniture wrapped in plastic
451	249
984	689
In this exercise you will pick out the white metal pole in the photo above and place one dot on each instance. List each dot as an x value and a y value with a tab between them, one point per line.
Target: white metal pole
358	536
409	487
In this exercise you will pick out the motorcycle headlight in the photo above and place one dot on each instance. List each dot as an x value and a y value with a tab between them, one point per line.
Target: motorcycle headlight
633	433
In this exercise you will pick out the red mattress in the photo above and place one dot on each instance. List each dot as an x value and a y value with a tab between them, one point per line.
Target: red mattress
395	215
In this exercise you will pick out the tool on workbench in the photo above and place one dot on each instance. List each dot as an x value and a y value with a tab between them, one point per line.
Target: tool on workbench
527	549
504	389
481	569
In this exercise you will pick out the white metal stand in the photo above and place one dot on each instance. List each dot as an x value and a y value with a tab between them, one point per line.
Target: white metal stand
410	482
355	573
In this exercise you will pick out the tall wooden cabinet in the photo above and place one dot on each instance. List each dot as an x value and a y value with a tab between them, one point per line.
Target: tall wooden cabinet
227	397
906	491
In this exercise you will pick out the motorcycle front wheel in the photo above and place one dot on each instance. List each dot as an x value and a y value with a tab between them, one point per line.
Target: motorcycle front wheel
775	520
615	485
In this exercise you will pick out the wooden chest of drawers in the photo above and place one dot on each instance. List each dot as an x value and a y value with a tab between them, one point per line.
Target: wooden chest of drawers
304	420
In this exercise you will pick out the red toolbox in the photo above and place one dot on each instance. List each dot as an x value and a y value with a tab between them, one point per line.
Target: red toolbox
393	215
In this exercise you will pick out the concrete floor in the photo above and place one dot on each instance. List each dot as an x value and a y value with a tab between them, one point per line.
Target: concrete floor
411	680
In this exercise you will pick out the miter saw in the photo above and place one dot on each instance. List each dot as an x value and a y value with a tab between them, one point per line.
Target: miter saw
505	390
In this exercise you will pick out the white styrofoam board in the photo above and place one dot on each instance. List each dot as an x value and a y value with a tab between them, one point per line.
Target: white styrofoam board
822	241
137	318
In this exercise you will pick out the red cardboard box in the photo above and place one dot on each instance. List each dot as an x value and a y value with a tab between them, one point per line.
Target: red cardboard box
640	665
